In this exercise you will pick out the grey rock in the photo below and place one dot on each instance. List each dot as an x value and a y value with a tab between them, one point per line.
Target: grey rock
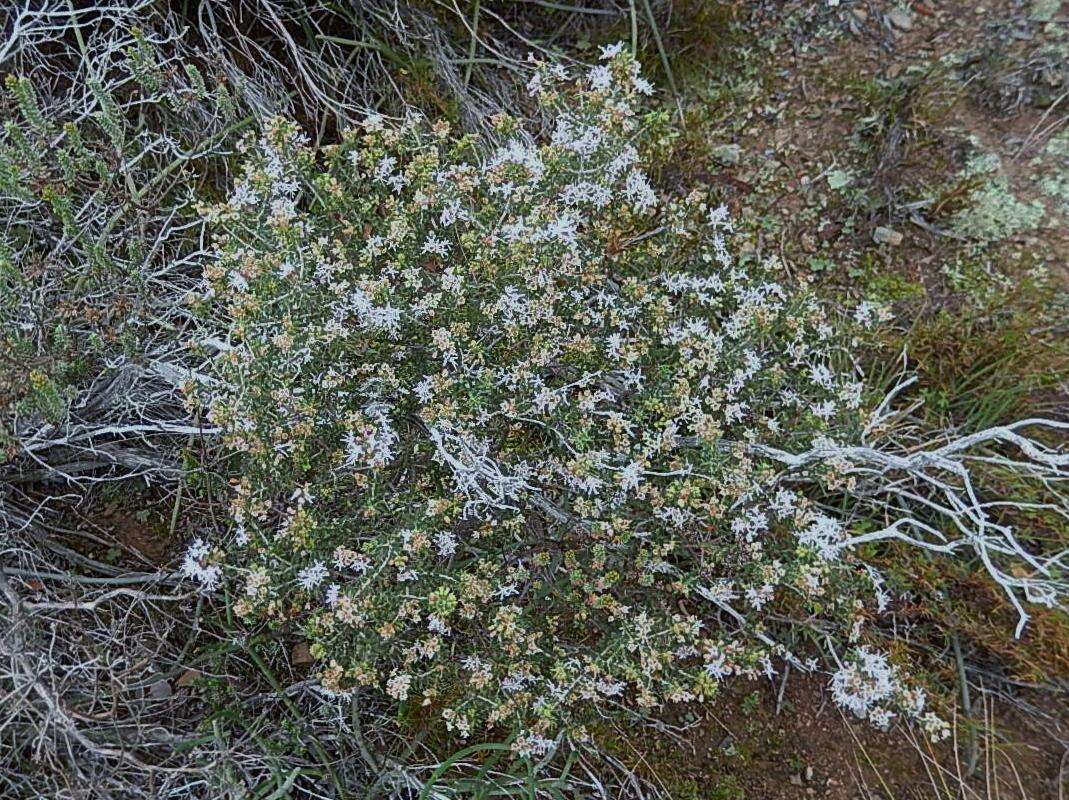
901	19
161	689
887	236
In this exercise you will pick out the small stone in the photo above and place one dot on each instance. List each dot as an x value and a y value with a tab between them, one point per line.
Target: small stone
828	231
901	19
729	154
860	14
887	236
160	690
809	773
188	678
301	654
796	780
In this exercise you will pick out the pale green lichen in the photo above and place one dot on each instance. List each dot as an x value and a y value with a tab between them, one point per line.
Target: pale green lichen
1045	10
1058	146
995	213
1057	187
1055	184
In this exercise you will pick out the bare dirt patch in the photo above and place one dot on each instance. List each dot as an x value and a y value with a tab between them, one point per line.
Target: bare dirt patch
761	744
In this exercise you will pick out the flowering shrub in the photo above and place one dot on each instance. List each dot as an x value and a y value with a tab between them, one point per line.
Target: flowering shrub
515	436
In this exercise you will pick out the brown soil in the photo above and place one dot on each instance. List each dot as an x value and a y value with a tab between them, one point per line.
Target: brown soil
817	94
744	749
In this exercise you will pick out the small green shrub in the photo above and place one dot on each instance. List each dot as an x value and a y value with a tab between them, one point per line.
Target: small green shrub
517	440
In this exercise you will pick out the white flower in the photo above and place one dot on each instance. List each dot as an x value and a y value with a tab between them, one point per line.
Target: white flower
881	718
642	86
720	218
622	160
720	592
864	683
520	153
311	576
424	390
936	729
579	138
535	86
375	245
446	543
385	168
822	376
563	228
610	51
825	535
637	189
332	594
506	591
825	410
514	683
195	566
398	685
529	744
238	282
716	666
241	536
373	122
587	192
609	688
864	312
344	558
372	445
437	246
451	213
386	318
600	78
759	596
474	664
784	503
244	195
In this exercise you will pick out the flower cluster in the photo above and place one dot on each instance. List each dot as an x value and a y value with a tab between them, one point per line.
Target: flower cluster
871	687
503	418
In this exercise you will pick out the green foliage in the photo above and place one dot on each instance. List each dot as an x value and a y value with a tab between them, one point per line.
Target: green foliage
491	457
